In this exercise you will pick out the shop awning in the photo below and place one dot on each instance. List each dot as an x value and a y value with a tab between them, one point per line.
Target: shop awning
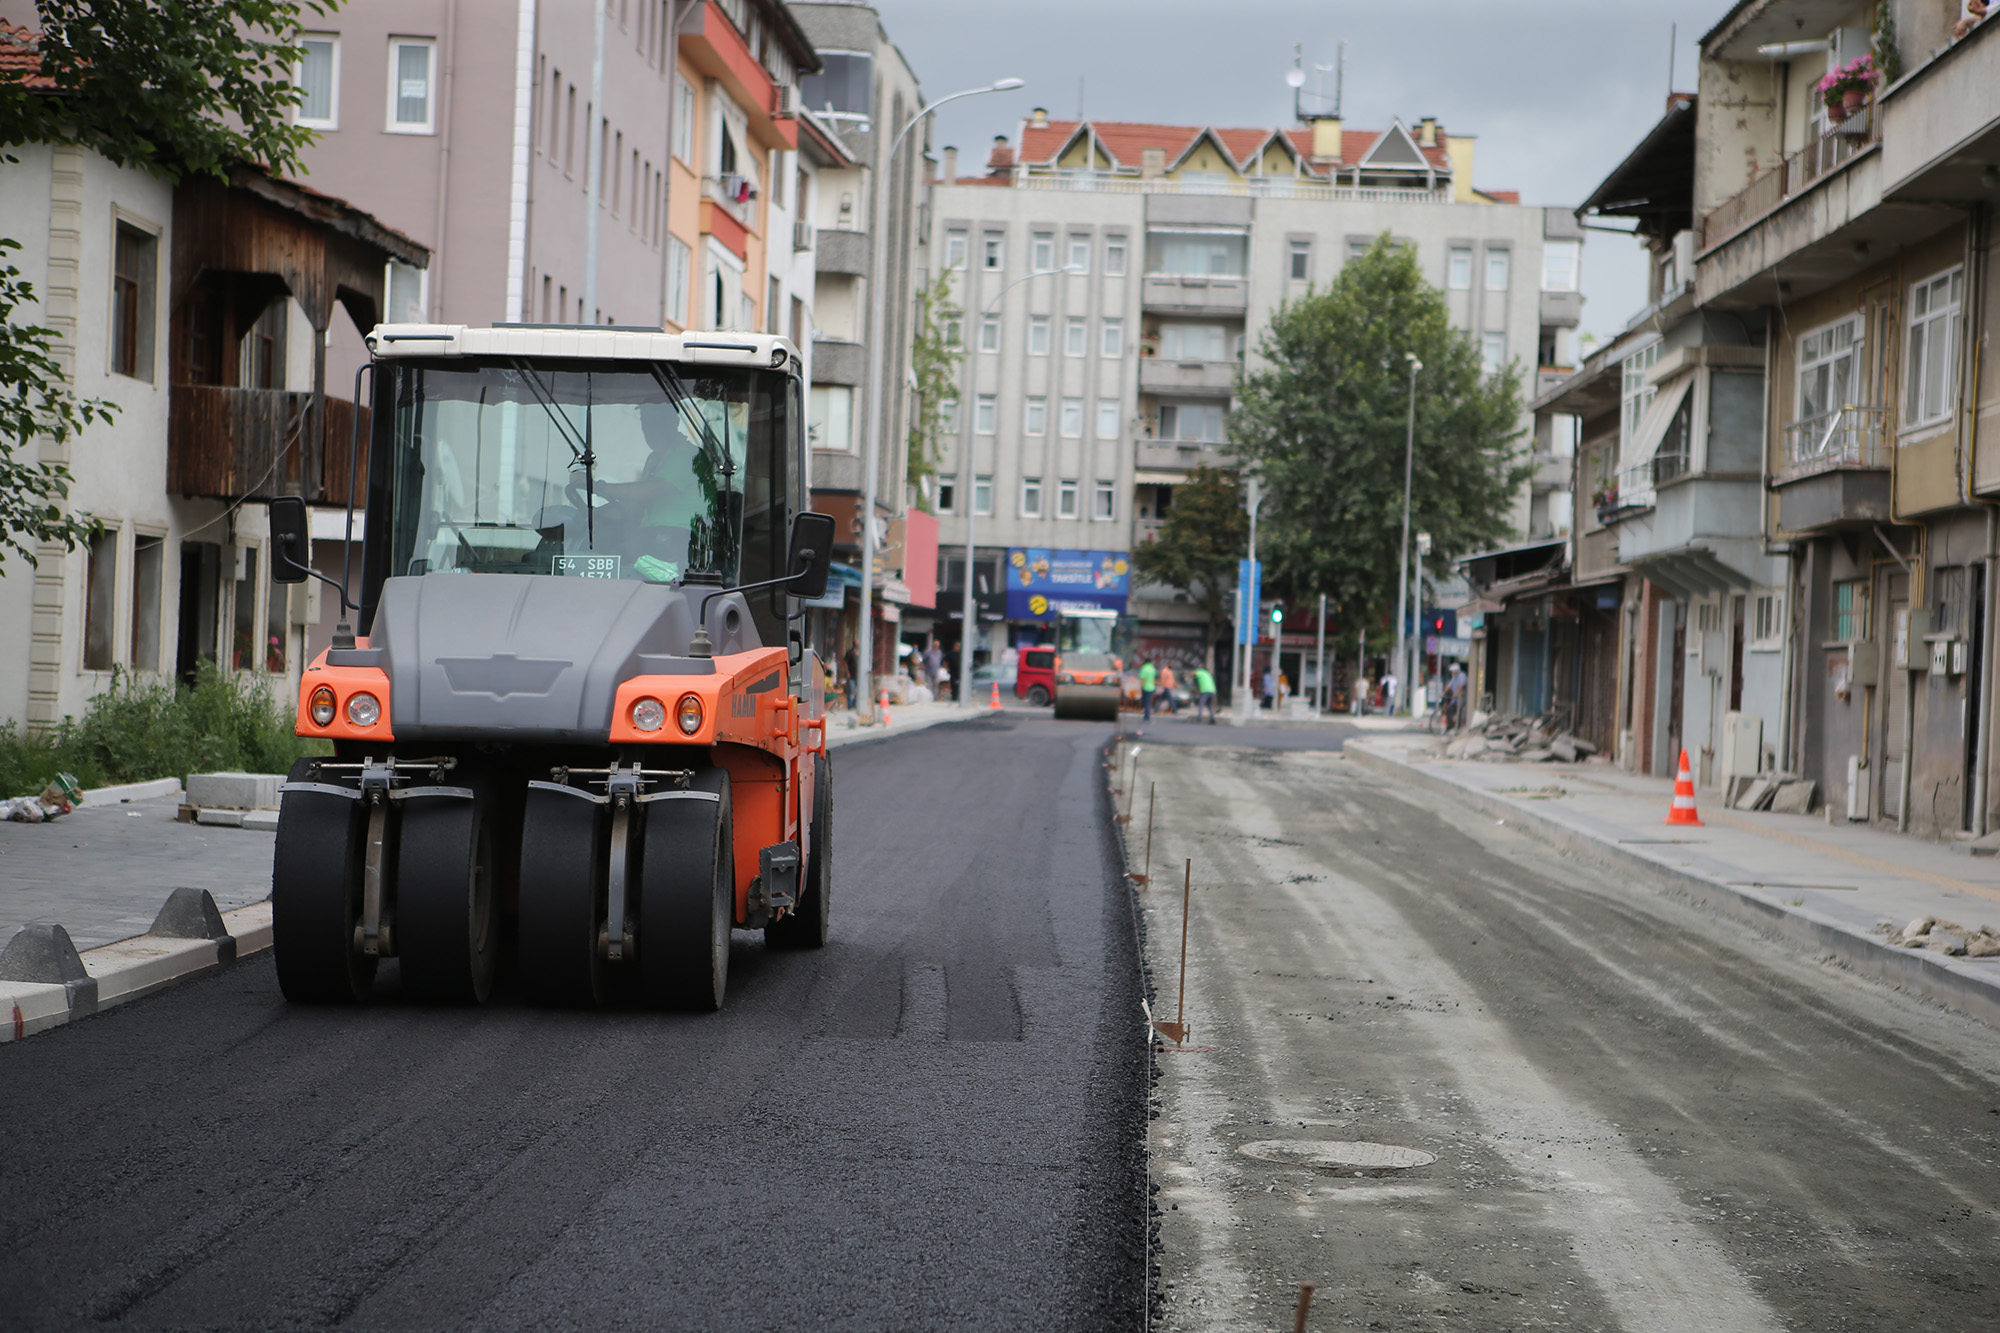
839	579
1158	478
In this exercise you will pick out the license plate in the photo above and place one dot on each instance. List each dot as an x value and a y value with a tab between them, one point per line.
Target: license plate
585	566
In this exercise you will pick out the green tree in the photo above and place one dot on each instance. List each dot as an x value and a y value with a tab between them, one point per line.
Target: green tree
934	364
1196	549
169	86
1324	424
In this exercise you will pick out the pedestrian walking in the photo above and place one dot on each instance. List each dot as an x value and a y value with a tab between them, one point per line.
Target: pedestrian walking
1389	693
1270	688
933	660
1149	677
850	672
1204	696
1166	683
1454	697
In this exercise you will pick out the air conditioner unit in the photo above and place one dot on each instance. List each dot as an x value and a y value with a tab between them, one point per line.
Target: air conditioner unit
302	603
1961	657
1857	789
802	236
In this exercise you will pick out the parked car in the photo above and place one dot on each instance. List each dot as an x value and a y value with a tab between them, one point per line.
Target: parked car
984	678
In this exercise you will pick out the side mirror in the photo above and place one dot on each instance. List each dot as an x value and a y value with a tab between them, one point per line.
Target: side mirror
810	559
291	542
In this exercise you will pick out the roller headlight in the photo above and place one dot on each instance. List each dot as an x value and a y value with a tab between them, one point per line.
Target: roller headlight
1065	679
321	707
690	714
649	715
364	709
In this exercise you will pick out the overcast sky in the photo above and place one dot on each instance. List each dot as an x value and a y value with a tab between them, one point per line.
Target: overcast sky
1557	91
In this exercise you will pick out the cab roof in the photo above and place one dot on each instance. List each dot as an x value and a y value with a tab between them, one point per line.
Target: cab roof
582	342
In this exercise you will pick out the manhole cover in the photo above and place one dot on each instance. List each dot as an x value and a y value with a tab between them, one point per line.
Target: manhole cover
1347	1159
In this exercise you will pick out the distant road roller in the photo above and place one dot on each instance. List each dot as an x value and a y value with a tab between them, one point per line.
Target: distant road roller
1091	648
576	708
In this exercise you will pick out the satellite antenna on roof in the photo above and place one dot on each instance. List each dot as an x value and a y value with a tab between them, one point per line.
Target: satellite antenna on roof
1296	77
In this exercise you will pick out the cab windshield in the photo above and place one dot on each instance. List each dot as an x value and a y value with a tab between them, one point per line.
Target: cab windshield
574	469
1092	642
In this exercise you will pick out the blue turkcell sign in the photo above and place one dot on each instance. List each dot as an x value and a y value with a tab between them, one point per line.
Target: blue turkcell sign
1042	581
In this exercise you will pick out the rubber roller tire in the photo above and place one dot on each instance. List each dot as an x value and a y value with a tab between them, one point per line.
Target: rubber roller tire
563	868
316	895
687	898
447	916
804	927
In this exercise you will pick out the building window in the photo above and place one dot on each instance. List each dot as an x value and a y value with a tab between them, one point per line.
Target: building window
1492	352
989	333
954	250
1635	394
1076	340
100	577
1561	262
1072	418
1194	342
277	627
993	253
830	418
1079	254
1196	254
1038	335
948	415
1458	269
1301	261
1850	609
403	293
954	331
1356	249
1036	419
1767	619
1105	506
947	493
985	414
412	65
1948	600
1113	341
680	265
982	495
1202	422
148	562
1107	418
1044	253
684	122
318	75
1496	270
1066	498
1929	386
1829	370
243	652
1114	258
1031	497
134	282
844	86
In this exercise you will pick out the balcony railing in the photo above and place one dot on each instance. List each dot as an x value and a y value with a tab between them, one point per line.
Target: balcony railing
1790	177
234	444
1630	491
1851	437
1184	454
1257	187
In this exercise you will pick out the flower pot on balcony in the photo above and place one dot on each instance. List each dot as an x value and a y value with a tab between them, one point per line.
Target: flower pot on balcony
1852	100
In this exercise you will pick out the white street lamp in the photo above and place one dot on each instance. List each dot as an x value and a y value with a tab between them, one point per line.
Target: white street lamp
877	321
1401	666
969	487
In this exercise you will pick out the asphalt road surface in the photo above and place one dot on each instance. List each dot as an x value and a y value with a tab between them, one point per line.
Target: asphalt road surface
1643	1116
936	1122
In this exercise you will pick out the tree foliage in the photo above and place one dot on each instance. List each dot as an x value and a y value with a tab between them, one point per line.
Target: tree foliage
1324	422
934	364
169	86
1205	533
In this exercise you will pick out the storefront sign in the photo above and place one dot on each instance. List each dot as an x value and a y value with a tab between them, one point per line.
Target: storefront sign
1042	581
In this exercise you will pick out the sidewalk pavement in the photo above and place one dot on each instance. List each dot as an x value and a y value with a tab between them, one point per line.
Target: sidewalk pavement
1832	887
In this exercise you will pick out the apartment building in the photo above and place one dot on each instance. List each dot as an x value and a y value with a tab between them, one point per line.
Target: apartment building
863	96
1115	277
1791	452
201	312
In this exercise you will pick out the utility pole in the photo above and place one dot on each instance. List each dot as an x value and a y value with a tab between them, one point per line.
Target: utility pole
1246	601
1397	664
1321	695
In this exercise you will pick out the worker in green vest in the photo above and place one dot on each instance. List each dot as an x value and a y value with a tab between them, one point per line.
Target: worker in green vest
1149	676
1204	693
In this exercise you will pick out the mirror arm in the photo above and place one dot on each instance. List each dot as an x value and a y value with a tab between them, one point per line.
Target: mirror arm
701	647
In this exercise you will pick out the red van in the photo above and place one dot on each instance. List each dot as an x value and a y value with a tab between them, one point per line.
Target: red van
1035	675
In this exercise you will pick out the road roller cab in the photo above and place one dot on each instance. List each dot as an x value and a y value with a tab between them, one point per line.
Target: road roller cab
575	708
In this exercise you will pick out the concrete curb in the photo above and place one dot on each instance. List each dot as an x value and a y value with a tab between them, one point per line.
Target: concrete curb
1949	981
131	791
190	938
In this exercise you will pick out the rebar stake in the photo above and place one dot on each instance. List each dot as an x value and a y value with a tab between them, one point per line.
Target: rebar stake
1305	1304
1142	880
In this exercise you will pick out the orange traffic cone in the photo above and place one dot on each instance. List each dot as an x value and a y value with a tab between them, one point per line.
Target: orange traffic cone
996	695
1682	811
885	715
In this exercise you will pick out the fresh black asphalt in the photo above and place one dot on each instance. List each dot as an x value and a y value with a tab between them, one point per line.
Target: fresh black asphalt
935	1122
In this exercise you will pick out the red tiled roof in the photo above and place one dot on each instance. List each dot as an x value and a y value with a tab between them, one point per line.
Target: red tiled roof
1127	141
20	60
1503	196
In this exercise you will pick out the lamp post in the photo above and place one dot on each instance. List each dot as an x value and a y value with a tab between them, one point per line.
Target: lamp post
1401	666
877	319
1244	662
970	489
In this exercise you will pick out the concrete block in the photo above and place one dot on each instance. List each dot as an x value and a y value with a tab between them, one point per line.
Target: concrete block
143	964
267	820
233	791
44	954
251	928
190	914
220	818
1793	798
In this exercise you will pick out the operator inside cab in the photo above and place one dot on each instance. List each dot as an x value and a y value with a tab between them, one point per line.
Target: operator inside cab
653	514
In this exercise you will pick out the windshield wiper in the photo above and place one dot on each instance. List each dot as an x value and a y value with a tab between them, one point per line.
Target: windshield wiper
677	393
579	448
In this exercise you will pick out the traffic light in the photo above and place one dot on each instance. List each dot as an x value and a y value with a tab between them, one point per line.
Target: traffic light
1277	618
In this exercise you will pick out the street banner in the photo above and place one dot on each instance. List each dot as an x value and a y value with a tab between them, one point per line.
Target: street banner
1042	581
1249	599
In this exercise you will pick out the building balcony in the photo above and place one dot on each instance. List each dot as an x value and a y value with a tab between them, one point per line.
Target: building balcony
1145	529
1630	492
1791	177
1702	533
1183	455
837	362
1941	126
712	45
227	443
1562	310
1181	294
842	251
1835	472
1159	375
